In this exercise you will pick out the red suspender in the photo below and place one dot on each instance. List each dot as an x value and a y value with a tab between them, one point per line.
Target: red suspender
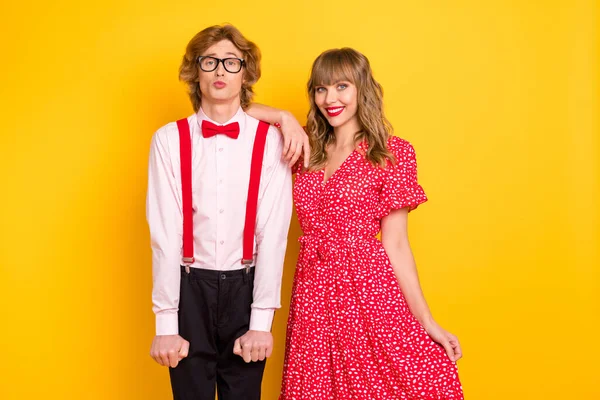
255	169
185	154
185	149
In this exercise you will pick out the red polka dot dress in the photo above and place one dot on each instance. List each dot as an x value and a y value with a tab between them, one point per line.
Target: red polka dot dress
350	332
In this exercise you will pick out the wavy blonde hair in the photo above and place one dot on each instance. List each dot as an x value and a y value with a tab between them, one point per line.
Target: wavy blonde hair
347	64
189	69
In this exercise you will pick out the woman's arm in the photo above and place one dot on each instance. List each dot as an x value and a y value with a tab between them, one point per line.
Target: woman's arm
394	236
295	140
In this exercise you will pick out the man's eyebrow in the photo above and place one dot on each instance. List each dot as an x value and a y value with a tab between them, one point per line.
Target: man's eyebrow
228	53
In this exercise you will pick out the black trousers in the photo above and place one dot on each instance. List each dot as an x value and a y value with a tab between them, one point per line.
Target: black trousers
214	310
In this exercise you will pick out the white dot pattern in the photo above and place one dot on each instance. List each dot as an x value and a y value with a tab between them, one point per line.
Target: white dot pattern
350	332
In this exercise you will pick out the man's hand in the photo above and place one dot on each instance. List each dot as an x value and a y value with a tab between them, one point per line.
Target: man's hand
168	350
254	346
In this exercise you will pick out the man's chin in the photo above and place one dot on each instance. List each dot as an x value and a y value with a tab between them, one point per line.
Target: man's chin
222	98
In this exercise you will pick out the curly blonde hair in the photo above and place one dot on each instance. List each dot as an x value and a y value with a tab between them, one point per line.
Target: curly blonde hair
347	64
189	69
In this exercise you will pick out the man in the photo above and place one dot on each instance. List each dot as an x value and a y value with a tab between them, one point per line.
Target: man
217	260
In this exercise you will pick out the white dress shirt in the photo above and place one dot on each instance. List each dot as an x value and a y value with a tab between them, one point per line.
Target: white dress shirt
220	178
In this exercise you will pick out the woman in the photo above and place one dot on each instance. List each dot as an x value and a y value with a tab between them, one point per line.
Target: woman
359	326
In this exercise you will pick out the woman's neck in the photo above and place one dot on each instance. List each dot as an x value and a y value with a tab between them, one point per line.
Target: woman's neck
345	135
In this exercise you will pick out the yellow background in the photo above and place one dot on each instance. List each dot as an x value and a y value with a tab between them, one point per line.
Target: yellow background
499	98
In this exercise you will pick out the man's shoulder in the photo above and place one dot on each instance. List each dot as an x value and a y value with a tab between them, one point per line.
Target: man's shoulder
273	134
170	131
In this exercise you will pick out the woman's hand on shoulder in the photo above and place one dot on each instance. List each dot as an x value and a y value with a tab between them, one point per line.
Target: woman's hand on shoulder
295	140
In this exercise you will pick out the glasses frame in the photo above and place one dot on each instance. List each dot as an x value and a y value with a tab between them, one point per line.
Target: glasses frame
222	61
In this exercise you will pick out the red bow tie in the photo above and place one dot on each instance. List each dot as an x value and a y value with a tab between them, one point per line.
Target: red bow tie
209	129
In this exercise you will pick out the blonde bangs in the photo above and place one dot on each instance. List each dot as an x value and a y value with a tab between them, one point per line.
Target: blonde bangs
331	68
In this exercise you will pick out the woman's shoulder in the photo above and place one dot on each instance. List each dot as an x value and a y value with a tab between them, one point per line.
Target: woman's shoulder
398	145
402	149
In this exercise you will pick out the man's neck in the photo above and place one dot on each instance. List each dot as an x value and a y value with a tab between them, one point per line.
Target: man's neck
220	113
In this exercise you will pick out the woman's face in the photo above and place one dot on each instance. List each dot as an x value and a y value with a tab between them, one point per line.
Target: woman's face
338	103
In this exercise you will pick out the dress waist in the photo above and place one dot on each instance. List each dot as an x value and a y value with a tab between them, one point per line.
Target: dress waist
331	247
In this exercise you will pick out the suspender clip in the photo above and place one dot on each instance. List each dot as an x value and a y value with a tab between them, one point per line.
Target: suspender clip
187	261
247	264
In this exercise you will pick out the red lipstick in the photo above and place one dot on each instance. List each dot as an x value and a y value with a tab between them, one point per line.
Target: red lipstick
334	111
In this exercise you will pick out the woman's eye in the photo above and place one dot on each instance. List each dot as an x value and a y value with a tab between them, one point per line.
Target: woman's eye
342	86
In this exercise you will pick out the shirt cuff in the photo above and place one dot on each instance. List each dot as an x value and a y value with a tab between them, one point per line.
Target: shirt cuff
167	324
261	319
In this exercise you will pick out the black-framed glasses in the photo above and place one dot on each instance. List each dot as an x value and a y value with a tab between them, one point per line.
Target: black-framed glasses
232	65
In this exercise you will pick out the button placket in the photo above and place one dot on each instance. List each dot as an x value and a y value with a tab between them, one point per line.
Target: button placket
220	197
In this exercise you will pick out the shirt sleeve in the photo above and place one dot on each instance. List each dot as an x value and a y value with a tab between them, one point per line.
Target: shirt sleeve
400	186
272	226
165	221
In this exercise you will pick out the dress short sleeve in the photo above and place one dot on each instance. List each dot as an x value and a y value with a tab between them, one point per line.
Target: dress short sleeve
400	187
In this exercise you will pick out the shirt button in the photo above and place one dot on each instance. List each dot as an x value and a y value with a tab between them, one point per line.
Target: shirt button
222	242
220	180
220	149
221	211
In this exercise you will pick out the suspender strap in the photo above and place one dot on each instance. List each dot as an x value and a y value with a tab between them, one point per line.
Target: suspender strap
255	170
185	154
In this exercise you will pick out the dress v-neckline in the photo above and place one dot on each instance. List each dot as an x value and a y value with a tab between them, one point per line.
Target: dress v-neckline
324	181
